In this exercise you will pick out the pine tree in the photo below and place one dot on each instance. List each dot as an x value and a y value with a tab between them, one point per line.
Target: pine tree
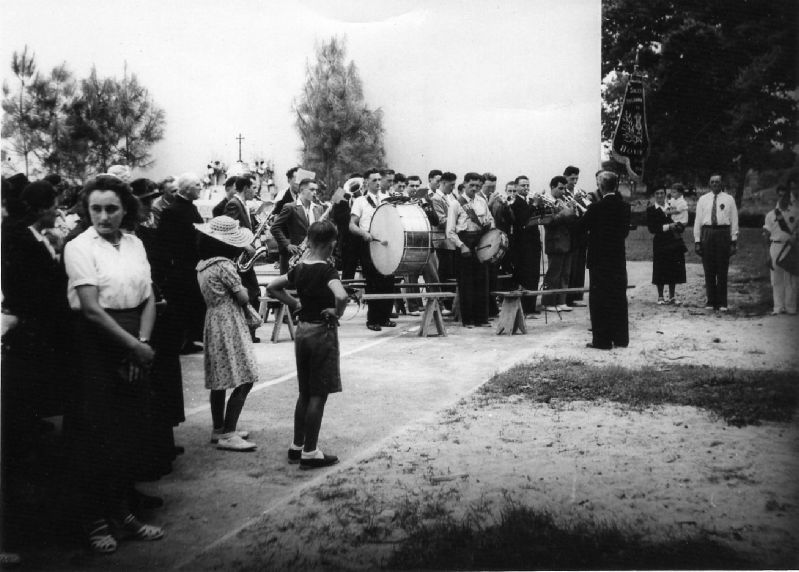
340	133
19	124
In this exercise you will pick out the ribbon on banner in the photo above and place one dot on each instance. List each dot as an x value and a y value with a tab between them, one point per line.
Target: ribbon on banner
631	140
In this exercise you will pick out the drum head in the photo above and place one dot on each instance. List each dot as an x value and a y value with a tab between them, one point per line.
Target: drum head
387	225
492	246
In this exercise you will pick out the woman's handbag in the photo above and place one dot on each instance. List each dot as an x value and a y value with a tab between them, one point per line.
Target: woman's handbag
788	259
251	317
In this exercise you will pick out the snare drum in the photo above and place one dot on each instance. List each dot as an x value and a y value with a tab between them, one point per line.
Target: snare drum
407	231
492	246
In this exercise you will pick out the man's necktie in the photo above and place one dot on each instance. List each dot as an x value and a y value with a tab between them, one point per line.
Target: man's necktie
713	217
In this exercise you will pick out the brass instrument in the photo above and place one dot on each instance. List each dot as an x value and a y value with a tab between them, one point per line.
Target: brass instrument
544	208
576	201
296	258
245	262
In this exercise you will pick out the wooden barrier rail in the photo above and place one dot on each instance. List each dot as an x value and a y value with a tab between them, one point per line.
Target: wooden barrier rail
432	309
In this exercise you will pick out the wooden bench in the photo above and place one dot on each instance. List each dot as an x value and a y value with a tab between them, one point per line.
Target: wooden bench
432	309
511	315
282	312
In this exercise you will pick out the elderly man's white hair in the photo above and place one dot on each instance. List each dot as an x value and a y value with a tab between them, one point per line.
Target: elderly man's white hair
186	180
608	181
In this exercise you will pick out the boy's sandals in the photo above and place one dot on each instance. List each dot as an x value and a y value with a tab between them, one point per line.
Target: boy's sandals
136	530
101	540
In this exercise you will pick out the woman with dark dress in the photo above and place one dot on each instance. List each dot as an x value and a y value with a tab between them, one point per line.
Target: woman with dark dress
166	376
110	292
322	300
36	380
668	249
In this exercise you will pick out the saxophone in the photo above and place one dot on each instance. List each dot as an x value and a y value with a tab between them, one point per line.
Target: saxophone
295	258
303	252
245	262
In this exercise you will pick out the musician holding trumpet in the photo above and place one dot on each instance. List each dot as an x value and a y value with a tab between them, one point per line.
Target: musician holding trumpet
558	246
467	221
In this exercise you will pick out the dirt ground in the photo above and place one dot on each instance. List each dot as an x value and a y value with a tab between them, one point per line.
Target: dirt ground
417	445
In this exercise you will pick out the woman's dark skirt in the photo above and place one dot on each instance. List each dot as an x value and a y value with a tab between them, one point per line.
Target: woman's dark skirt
668	260
112	415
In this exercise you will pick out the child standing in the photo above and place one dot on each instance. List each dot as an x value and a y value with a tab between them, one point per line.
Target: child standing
229	357
322	300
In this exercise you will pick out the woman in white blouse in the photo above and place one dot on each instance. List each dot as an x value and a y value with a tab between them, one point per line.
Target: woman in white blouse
110	289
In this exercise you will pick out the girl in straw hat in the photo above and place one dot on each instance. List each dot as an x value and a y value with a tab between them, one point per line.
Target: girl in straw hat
322	301
229	357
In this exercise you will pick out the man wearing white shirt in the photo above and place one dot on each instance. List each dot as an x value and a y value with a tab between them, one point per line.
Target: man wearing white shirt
715	236
442	200
467	221
781	227
363	209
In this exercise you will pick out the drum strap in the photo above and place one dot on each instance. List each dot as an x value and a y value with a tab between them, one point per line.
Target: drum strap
469	211
371	200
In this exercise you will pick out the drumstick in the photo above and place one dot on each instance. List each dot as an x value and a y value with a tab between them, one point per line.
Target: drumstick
382	242
489	245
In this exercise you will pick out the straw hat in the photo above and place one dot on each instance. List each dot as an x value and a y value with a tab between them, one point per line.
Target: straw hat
227	230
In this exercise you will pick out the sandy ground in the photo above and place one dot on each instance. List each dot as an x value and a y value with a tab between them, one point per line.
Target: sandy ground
416	442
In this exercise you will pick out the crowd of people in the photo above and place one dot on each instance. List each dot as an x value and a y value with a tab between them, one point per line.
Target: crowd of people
105	288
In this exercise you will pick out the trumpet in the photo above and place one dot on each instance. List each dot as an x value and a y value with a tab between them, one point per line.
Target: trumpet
245	262
574	203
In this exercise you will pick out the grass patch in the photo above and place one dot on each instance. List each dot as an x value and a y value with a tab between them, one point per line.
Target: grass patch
739	397
525	539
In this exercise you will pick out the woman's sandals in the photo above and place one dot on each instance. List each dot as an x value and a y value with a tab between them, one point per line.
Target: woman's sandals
101	540
134	529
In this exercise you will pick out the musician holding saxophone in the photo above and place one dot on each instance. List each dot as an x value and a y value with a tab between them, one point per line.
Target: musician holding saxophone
467	221
291	224
237	209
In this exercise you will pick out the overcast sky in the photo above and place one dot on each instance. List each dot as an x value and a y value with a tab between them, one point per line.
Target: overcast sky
508	86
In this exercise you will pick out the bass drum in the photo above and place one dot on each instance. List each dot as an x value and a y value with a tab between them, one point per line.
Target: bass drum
492	246
406	231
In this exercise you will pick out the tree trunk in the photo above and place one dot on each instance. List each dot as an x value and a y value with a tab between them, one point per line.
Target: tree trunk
739	188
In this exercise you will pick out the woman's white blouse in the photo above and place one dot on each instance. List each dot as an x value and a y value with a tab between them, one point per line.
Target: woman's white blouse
122	276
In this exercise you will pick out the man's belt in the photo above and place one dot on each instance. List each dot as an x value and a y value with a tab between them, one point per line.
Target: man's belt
715	226
470	237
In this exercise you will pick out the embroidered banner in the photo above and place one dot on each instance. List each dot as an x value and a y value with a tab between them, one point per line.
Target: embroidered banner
631	140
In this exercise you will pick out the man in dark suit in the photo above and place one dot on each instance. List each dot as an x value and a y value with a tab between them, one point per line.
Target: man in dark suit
177	238
291	224
525	244
607	224
230	190
290	194
237	209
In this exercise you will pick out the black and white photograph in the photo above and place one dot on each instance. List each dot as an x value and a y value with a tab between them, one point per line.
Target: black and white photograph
399	285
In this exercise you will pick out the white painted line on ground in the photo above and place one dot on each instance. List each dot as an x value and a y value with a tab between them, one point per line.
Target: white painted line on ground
283	378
